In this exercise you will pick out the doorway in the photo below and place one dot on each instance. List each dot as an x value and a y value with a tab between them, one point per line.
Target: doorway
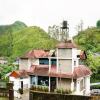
53	84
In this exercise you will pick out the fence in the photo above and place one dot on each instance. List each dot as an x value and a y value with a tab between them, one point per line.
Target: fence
95	98
55	96
6	90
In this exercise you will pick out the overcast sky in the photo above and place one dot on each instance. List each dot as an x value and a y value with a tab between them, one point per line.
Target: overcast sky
46	13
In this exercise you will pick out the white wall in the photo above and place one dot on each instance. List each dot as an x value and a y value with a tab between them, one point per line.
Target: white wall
65	53
78	85
17	82
26	63
87	85
74	58
74	53
64	65
23	64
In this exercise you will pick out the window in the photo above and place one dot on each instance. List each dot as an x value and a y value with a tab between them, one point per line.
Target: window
44	81
44	61
53	61
33	79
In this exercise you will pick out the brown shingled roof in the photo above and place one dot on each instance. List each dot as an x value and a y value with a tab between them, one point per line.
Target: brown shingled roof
43	70
36	54
82	70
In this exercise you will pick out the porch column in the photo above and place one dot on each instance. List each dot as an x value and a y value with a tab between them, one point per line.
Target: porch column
57	60
78	86
49	64
56	82
49	83
87	85
36	80
72	85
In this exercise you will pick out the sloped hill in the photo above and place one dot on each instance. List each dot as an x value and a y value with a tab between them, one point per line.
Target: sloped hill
31	38
16	26
17	43
89	39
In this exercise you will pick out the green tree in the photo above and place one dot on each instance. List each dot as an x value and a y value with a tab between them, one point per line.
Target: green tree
98	24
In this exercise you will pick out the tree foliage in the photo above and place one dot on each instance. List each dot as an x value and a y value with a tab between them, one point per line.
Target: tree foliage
89	40
98	24
7	68
15	44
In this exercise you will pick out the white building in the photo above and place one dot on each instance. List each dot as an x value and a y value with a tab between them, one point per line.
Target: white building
20	80
58	69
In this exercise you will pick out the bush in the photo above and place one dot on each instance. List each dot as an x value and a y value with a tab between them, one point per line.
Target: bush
95	87
98	24
20	90
40	88
63	91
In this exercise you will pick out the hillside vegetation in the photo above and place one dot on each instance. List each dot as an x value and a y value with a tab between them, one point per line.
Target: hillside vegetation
16	42
16	26
31	38
89	40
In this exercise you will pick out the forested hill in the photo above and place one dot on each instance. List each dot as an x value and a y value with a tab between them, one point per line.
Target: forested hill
16	26
16	43
89	39
31	38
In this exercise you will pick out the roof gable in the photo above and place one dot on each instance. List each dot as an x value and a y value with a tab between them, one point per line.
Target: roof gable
36	54
19	74
14	74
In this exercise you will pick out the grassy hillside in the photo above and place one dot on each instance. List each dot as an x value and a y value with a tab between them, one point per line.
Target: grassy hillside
17	43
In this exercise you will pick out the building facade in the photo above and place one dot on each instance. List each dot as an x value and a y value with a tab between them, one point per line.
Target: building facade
58	69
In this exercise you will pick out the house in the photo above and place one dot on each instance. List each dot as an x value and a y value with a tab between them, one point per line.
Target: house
58	69
20	80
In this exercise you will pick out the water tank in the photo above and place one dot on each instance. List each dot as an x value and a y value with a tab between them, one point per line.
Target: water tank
64	25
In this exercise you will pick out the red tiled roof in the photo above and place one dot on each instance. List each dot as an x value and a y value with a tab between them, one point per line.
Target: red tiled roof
41	70
19	74
68	44
79	71
82	70
36	54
